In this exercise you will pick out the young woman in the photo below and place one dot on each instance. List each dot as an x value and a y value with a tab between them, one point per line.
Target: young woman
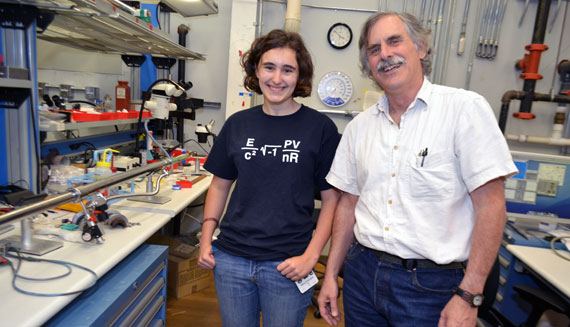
277	153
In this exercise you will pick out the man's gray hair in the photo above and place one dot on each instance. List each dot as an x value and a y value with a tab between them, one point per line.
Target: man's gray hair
418	34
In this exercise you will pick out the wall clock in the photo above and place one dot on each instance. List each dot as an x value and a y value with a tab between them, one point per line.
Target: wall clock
335	89
339	36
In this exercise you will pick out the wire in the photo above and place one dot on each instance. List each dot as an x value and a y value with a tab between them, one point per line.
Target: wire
193	140
157	13
66	264
556	251
192	217
22	180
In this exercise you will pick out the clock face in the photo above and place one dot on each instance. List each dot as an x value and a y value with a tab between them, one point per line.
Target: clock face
339	36
335	89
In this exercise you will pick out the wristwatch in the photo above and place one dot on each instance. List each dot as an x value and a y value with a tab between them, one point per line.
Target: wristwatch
475	300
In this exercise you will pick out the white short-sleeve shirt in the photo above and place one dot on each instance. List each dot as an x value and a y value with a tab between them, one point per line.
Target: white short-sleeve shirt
413	202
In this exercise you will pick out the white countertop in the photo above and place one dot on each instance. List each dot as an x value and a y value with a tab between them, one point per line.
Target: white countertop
25	310
547	264
180	199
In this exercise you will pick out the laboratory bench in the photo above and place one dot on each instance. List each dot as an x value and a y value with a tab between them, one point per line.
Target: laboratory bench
529	261
113	261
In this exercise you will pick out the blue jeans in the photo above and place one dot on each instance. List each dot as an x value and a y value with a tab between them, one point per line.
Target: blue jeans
247	287
378	293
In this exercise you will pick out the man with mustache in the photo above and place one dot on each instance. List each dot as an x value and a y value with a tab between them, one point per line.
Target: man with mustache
422	175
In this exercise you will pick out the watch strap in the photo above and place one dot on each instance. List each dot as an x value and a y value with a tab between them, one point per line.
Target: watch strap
468	297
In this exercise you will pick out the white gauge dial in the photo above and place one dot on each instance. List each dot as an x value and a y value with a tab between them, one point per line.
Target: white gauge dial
335	89
339	36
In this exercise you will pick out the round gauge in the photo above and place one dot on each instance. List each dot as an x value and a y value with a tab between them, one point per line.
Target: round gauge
335	89
339	36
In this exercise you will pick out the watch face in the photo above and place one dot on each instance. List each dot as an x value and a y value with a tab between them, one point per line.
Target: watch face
335	89
339	36
477	300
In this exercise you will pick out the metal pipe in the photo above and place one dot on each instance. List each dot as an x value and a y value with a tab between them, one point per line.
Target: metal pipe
482	28
551	25
76	194
489	28
537	38
519	95
461	41
473	49
538	139
562	34
502	16
447	47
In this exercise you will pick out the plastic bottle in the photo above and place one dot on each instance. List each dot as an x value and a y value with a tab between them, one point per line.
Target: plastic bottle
122	96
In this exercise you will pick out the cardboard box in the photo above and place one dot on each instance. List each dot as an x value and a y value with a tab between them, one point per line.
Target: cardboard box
184	276
175	247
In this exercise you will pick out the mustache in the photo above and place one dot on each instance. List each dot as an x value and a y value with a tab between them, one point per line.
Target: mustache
394	60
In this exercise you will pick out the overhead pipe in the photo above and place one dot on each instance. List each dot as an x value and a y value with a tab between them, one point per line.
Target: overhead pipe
293	16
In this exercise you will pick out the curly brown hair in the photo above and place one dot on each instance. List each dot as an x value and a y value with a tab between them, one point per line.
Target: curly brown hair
278	39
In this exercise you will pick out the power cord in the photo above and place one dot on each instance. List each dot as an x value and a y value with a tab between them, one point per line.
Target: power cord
66	264
193	140
556	251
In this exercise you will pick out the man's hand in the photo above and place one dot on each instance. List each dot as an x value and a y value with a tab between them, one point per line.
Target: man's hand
458	313
206	259
296	268
328	302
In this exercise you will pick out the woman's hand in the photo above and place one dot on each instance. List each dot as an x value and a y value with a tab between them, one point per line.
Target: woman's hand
296	268
206	259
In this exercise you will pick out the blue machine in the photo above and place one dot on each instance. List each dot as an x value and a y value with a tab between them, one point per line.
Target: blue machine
539	192
542	185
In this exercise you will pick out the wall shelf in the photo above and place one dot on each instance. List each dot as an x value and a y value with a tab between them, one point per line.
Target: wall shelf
15	83
63	126
98	25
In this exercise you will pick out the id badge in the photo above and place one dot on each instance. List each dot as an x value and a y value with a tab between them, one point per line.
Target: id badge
307	282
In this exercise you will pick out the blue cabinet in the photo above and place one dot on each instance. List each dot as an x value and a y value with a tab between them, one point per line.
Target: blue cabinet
133	293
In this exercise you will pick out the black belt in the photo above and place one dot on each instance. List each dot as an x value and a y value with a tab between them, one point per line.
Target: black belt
414	263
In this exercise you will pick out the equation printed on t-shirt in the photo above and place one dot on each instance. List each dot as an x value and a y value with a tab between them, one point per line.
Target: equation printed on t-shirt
289	151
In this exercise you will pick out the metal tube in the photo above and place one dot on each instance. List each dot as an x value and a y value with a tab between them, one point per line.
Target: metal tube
473	50
537	38
82	191
562	34
502	15
447	47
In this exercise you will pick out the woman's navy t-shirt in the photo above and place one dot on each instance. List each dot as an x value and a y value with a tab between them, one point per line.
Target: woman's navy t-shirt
277	161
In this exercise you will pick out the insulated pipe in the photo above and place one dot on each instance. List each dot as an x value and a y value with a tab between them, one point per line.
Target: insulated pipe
518	95
538	139
539	31
293	16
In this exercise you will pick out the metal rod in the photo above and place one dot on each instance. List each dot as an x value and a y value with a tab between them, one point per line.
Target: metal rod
461	41
562	34
76	194
447	47
498	31
473	50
